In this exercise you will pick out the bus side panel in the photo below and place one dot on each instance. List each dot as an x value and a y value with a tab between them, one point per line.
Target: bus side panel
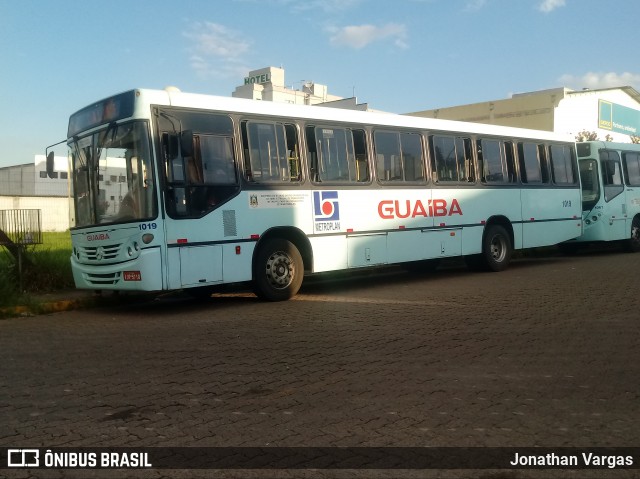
476	207
329	253
237	262
550	215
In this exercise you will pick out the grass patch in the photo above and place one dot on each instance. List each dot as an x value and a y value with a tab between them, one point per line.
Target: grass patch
46	268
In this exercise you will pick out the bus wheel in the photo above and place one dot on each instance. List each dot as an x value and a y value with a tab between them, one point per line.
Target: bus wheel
496	248
278	270
633	244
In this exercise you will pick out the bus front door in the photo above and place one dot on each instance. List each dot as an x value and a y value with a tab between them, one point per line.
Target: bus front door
615	199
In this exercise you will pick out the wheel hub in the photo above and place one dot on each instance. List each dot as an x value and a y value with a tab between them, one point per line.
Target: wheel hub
280	270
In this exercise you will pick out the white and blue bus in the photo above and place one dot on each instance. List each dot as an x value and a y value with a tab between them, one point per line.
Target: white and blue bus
183	191
610	174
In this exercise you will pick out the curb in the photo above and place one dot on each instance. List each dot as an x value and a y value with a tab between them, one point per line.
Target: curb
45	307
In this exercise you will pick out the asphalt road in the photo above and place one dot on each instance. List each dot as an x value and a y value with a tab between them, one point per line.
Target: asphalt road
543	354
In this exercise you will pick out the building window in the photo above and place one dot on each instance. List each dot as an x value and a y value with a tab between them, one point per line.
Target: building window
64	175
43	174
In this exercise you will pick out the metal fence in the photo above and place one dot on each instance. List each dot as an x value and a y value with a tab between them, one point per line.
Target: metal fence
20	227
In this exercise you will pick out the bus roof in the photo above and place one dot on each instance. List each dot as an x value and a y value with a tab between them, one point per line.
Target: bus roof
177	98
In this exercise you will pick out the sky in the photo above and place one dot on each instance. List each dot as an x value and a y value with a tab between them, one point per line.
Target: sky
397	55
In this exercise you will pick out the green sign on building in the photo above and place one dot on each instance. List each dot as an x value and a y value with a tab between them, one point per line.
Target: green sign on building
618	118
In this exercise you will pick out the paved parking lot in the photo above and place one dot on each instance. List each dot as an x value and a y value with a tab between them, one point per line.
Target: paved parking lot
543	354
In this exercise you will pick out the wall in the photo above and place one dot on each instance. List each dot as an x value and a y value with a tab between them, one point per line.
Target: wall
579	111
55	210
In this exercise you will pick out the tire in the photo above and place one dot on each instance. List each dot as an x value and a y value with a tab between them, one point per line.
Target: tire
633	243
496	249
278	270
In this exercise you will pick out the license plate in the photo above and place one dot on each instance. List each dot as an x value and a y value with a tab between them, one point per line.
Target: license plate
131	276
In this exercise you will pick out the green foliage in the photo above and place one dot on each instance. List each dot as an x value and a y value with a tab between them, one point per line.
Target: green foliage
585	135
45	268
8	281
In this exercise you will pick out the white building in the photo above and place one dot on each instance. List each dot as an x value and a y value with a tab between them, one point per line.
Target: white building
27	186
612	113
268	84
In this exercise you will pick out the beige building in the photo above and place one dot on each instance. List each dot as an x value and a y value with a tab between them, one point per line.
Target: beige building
268	84
613	112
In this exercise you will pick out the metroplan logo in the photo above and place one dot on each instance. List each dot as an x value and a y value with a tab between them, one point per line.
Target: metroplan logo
326	206
326	211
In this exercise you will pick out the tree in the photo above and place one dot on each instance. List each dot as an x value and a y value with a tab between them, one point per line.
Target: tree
585	135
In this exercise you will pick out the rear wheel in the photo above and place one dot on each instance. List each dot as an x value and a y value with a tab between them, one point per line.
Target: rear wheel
496	248
277	271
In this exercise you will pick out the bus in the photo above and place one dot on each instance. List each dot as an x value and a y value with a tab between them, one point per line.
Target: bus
610	174
173	190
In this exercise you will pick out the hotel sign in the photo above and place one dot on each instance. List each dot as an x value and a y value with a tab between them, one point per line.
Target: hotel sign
264	78
618	118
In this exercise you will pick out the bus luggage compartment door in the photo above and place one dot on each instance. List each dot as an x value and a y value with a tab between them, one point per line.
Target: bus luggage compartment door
200	265
366	249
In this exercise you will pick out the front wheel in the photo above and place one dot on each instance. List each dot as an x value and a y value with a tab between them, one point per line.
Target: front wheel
278	270
496	248
633	243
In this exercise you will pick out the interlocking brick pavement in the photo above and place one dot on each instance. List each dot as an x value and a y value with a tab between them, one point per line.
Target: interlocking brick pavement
543	354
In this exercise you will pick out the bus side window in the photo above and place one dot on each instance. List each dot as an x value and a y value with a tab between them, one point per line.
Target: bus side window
510	162
335	159
271	152
544	164
530	162
361	157
293	152
491	160
388	158
313	154
412	156
463	146
631	162
563	164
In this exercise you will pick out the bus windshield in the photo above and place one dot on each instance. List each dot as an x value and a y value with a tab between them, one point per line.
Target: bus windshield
113	175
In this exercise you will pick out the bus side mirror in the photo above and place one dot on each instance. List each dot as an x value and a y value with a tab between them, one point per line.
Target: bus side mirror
186	143
50	166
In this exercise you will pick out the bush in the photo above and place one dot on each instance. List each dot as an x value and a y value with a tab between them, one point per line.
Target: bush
8	284
45	268
49	270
